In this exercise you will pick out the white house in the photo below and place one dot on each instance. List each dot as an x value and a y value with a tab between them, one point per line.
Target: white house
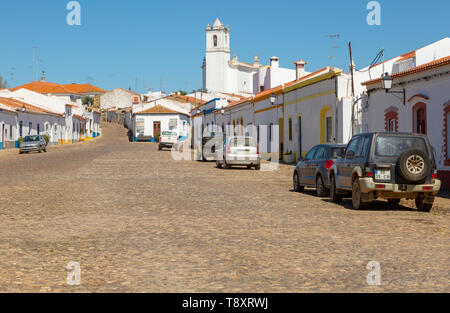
429	53
8	127
313	109
424	107
149	123
119	98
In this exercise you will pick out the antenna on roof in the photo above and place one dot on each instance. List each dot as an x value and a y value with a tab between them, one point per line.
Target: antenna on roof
333	37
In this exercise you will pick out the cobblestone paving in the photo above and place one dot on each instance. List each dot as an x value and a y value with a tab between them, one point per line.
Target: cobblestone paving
137	221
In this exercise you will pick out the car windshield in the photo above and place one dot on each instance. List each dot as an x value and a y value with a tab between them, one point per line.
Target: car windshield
337	153
242	142
31	138
394	146
169	134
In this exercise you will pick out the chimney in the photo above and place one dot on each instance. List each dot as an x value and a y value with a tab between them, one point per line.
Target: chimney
274	62
300	69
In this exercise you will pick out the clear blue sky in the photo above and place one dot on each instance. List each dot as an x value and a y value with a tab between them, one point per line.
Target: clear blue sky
120	40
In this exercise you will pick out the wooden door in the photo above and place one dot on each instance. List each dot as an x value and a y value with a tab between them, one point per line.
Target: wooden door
156	129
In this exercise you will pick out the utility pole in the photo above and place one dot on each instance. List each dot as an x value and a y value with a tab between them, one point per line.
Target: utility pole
353	87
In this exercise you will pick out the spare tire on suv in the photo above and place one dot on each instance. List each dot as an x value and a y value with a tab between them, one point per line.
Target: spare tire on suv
414	165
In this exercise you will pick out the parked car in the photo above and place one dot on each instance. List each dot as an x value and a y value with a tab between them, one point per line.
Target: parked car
168	139
239	151
209	144
391	166
33	143
313	170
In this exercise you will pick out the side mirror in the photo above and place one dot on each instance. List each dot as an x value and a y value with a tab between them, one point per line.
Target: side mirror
350	155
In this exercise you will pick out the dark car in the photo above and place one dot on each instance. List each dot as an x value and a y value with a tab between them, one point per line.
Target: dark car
313	170
391	166
33	143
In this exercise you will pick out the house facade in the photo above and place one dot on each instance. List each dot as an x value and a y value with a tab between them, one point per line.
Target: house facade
424	109
148	124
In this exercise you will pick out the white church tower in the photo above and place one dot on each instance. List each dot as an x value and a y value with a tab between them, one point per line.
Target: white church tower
215	66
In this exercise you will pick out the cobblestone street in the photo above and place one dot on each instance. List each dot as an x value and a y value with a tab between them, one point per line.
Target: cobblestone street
138	221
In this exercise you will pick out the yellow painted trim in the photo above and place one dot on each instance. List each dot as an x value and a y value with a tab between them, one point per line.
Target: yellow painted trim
313	80
323	124
269	108
317	95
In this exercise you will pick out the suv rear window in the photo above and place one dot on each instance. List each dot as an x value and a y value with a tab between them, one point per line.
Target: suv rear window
169	133
242	142
394	146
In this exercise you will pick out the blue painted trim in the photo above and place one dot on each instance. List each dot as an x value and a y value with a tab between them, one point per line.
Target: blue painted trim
1	146
16	144
135	139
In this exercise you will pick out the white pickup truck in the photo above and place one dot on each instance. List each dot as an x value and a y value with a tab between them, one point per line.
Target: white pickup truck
168	139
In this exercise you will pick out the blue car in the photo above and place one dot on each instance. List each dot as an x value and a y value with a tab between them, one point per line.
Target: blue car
312	171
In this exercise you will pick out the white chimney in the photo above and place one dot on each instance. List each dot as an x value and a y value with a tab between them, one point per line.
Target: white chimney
300	69
274	62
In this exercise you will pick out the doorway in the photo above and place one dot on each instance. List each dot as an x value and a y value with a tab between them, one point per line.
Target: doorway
281	137
156	130
300	150
2	141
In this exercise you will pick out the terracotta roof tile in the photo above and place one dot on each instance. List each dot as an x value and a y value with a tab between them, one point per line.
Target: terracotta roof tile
159	109
16	104
414	70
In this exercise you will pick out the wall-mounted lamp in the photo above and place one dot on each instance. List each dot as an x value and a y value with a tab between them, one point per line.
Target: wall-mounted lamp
272	98
387	81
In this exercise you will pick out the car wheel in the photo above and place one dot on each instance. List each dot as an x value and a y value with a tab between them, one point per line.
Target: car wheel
357	202
334	196
297	186
413	165
40	150
45	149
159	148
423	206
249	167
218	165
394	202
225	165
258	167
321	190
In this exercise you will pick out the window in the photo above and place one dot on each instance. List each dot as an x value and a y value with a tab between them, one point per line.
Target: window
310	154
353	145
329	129
391	119
321	153
394	146
10	132
30	126
290	129
420	118
392	125
215	40
20	129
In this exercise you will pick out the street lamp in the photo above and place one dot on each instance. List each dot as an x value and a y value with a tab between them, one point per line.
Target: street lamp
222	111
64	115
198	111
23	108
387	82
272	98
